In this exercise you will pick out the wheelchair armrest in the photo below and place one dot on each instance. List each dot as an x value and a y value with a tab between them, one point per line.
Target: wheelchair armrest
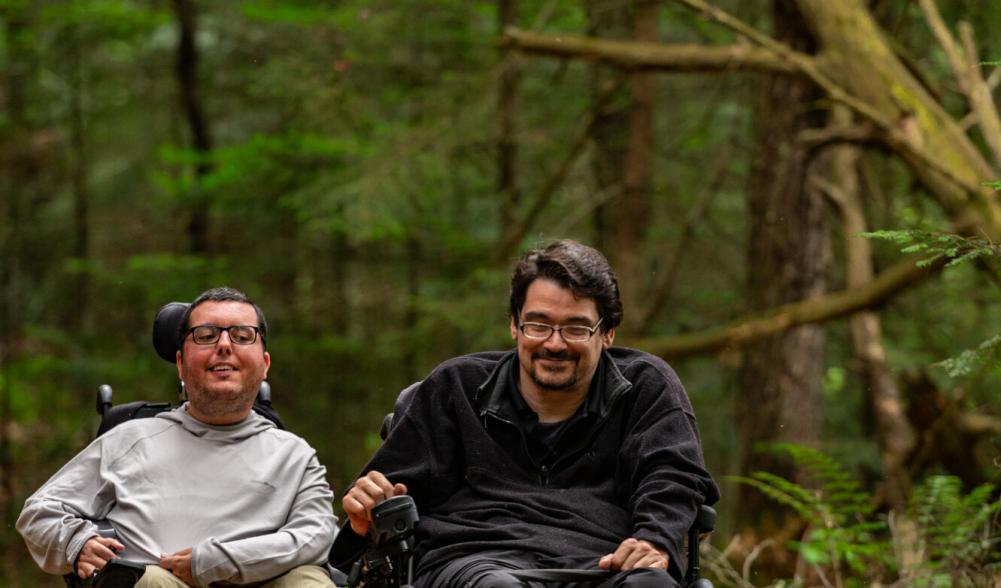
104	529
705	520
117	573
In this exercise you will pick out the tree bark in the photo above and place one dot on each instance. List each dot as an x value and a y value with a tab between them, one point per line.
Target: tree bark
608	134
636	55
187	78
780	396
81	198
894	434
634	208
507	104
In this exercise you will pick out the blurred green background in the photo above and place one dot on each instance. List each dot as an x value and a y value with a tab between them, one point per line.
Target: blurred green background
368	172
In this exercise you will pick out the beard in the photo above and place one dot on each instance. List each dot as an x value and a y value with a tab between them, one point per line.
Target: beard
222	401
555	381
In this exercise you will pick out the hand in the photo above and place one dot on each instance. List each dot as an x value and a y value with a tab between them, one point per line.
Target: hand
634	553
368	491
96	554
179	564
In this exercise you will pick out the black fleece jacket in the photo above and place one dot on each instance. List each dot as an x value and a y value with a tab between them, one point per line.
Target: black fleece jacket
628	464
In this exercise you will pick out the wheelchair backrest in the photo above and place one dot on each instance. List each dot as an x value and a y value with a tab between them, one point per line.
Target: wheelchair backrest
402	402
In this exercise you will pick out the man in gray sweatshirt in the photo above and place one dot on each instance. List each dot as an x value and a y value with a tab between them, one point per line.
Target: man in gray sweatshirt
208	493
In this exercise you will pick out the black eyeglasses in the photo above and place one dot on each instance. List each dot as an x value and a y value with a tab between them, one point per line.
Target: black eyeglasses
570	333
238	334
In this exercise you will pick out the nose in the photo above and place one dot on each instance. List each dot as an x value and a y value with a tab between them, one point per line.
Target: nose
224	341
555	341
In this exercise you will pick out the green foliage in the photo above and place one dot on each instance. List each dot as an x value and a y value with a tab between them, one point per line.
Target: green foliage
298	13
972	360
843	531
945	538
958	534
956	248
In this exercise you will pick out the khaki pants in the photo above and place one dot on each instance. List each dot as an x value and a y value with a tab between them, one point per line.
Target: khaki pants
300	577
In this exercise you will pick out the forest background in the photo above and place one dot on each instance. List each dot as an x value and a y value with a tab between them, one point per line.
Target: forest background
368	171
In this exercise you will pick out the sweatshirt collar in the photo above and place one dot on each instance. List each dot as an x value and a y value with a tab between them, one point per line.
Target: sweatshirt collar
499	394
248	427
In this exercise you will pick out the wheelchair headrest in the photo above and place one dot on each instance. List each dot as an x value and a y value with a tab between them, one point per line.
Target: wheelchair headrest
165	327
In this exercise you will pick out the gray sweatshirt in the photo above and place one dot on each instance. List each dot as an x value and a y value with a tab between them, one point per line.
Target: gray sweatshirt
250	499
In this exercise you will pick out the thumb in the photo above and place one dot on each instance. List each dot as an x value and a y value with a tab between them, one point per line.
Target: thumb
359	525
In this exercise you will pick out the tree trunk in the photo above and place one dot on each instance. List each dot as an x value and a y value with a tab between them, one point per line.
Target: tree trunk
780	395
893	432
187	78
507	104
611	118
634	208
77	315
16	169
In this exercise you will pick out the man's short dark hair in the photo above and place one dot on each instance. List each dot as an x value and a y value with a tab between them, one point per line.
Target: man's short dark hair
222	294
581	269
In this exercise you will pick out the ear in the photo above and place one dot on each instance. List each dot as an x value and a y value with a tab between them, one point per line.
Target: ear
606	338
514	329
267	364
177	359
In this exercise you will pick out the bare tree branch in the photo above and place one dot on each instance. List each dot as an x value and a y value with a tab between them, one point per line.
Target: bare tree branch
625	54
517	231
981	95
894	133
666	279
820	138
634	55
966	69
816	310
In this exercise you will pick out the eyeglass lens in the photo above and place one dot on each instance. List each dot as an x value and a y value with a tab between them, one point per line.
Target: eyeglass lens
238	334
569	332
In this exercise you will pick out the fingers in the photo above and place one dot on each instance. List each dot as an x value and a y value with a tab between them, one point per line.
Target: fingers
179	564
95	554
634	553
368	491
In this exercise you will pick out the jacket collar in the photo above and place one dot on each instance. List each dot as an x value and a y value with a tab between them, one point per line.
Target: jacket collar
494	396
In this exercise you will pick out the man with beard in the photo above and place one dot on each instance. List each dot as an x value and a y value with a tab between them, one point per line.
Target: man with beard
565	452
208	493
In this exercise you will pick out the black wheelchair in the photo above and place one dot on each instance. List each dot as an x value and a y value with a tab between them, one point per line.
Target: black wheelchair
388	560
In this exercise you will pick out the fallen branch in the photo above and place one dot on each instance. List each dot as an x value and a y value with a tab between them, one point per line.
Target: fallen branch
816	310
636	55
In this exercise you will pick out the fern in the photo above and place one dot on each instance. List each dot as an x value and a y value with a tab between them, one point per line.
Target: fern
956	248
959	534
972	360
843	532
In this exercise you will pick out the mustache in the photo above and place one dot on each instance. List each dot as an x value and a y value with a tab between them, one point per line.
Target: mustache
561	355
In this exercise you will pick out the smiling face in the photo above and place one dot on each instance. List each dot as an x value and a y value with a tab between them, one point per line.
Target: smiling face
222	378
553	365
